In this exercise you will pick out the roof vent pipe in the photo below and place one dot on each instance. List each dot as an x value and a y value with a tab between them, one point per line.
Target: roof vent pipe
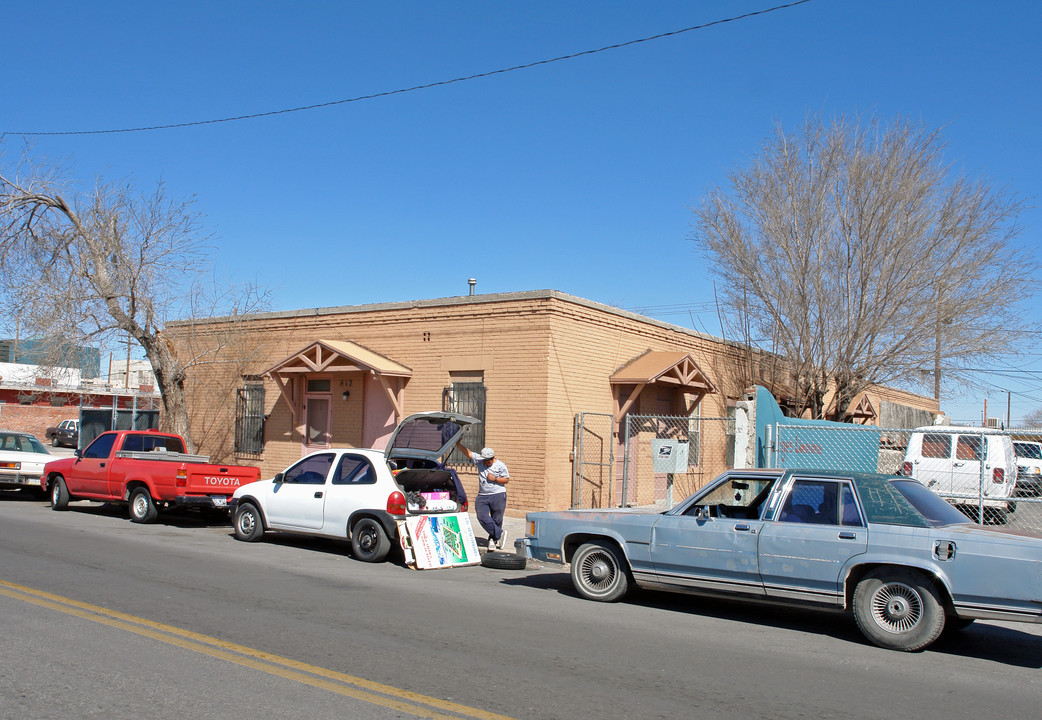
472	282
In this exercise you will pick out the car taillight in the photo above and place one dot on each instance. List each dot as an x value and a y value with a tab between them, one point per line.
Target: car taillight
464	506
906	469
396	503
998	475
182	479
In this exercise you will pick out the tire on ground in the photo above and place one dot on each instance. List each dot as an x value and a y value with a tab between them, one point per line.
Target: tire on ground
504	561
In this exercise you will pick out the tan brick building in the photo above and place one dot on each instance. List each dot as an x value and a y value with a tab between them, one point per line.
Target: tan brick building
344	376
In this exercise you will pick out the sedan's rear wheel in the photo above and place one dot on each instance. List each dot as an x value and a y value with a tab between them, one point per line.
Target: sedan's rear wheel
898	609
599	572
369	542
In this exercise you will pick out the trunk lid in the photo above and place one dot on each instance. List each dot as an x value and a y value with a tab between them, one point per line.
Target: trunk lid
427	435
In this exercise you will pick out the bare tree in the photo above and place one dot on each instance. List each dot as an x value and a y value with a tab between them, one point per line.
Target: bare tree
854	251
1033	419
95	266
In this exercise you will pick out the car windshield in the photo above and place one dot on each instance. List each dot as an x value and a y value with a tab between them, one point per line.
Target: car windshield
1031	451
936	511
22	443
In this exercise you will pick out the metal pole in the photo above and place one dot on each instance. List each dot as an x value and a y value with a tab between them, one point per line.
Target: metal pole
768	446
980	484
576	456
626	461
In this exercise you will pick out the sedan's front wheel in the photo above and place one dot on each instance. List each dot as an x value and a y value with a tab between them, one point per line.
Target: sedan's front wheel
898	609
599	572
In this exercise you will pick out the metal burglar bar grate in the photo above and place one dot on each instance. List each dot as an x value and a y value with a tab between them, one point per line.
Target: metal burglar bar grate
249	419
466	398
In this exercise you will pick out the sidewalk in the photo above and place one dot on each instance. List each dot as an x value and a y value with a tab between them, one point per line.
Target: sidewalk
513	526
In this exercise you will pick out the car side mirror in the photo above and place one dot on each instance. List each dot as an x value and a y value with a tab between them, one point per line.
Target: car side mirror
78	453
702	512
279	477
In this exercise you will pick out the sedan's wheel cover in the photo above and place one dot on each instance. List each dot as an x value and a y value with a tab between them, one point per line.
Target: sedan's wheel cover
367	540
598	572
246	523
897	608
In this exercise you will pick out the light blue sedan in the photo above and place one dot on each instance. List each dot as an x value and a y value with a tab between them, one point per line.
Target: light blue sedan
901	559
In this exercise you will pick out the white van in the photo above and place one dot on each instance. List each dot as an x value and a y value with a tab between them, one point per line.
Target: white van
964	464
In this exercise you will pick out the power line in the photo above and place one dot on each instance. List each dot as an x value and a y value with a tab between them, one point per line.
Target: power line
414	88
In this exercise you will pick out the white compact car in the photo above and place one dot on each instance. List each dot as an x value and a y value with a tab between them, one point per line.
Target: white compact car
966	465
360	494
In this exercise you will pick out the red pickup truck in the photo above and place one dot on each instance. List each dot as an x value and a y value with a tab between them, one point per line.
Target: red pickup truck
147	470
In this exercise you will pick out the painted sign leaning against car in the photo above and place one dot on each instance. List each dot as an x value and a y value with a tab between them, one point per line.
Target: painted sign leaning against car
440	541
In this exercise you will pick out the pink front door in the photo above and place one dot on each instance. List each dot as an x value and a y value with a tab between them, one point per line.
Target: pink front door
316	421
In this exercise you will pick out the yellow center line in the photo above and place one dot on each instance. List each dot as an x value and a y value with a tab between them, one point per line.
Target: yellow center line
340	683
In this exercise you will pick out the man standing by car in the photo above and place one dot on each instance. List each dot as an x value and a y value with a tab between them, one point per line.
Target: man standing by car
491	503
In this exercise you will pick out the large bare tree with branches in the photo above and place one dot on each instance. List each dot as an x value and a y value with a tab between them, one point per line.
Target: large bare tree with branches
856	252
97	266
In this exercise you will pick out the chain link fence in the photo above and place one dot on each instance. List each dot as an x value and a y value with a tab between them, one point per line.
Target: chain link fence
654	461
993	476
660	460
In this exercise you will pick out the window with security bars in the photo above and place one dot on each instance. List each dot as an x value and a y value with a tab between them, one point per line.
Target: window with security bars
249	418
466	398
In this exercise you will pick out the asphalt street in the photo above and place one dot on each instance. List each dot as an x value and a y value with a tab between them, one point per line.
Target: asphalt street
104	618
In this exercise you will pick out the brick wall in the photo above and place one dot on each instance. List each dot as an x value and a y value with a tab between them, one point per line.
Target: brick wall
544	357
34	419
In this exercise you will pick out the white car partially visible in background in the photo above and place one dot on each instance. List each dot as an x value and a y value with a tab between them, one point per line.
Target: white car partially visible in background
22	458
1029	468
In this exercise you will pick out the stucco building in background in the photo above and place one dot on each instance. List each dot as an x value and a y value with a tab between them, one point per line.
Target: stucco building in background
527	364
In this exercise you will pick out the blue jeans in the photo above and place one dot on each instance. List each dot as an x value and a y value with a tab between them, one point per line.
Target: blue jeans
490	509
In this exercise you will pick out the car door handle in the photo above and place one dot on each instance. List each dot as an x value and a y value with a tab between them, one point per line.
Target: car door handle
742	527
318	494
847	535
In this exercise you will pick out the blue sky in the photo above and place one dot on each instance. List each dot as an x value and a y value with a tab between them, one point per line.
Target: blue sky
577	175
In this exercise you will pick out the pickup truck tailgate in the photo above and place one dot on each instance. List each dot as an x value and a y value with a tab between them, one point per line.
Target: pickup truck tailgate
218	479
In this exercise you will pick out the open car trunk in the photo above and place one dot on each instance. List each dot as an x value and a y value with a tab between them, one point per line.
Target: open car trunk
431	490
415	449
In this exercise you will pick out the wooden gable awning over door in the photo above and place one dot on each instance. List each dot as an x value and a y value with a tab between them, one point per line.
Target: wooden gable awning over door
336	356
659	367
862	411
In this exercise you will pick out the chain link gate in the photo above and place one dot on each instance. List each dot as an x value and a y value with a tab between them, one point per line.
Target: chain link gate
668	458
593	464
953	462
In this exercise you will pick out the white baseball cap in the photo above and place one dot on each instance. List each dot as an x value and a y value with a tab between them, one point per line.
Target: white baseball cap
487	453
